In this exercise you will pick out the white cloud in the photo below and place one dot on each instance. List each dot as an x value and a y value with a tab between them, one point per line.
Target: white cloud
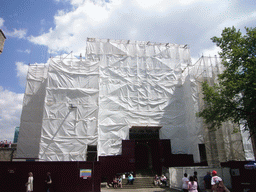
191	22
163	5
1	22
19	33
212	51
238	20
43	22
10	112
24	51
22	70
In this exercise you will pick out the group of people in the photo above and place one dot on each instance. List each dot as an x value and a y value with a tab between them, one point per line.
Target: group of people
6	144
211	183
160	180
190	184
29	184
117	182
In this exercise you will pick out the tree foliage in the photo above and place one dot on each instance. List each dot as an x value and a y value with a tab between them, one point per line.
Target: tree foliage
234	97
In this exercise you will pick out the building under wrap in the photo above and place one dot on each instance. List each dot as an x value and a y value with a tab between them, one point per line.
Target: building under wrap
124	94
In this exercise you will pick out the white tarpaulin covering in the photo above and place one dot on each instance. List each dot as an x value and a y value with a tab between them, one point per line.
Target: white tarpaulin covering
32	112
141	84
70	110
97	99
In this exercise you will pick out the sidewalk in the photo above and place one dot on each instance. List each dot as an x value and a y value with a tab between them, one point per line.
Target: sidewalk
140	190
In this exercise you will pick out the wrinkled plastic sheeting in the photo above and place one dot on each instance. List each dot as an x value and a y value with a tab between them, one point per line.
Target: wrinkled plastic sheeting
70	110
119	85
247	144
141	84
31	117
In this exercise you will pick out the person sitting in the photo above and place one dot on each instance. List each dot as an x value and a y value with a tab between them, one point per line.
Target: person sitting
163	180
120	182
115	182
156	180
130	179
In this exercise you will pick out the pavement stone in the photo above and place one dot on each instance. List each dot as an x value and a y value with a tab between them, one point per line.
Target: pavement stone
140	190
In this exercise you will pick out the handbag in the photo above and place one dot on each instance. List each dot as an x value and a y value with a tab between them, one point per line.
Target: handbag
221	187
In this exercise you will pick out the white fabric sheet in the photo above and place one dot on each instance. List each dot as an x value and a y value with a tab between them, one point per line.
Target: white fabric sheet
95	101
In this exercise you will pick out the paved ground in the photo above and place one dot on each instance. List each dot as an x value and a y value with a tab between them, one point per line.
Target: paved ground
139	190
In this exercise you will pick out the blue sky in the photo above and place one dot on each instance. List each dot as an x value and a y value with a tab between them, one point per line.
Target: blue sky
36	30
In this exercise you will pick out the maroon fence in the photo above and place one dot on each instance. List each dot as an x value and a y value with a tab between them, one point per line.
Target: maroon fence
242	179
65	176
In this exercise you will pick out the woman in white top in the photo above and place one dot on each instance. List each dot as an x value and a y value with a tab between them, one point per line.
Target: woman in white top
29	184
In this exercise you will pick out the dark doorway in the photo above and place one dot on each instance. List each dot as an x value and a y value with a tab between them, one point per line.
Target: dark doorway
143	156
147	153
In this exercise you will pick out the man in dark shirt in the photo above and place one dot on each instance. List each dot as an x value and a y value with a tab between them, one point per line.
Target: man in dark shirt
207	182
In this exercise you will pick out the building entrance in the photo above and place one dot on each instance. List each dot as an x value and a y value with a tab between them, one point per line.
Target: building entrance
143	155
146	151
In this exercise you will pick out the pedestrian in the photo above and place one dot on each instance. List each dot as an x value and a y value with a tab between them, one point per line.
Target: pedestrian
192	184
196	179
217	183
207	182
185	181
195	176
29	184
48	181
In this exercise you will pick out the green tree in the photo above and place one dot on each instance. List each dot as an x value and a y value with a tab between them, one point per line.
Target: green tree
234	96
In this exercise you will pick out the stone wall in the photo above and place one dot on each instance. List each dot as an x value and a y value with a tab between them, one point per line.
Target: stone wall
6	153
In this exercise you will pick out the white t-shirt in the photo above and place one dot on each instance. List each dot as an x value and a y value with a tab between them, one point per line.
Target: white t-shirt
215	180
184	183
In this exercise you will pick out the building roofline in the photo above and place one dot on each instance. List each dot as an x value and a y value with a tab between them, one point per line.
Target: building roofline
2	33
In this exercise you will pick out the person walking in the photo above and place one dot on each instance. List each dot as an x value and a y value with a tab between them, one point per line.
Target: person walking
29	184
192	184
48	181
207	182
185	181
217	183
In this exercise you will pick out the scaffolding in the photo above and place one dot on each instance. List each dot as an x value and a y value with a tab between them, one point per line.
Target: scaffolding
223	144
